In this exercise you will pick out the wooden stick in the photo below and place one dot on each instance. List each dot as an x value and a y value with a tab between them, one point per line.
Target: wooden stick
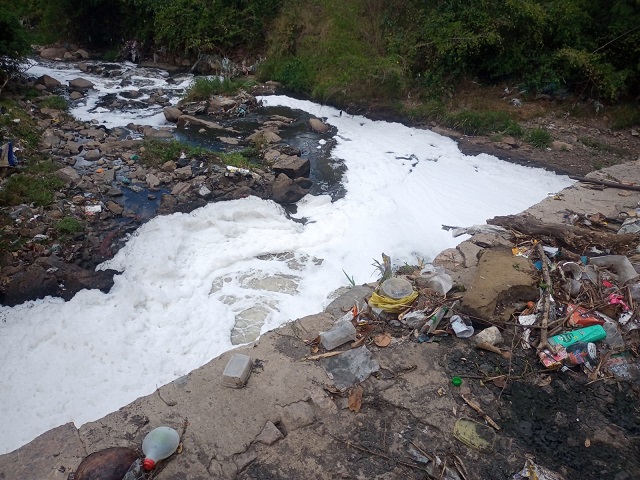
322	355
606	183
477	408
544	342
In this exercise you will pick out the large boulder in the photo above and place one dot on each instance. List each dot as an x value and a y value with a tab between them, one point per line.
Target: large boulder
80	84
286	190
292	167
318	125
53	53
264	136
172	114
501	280
50	83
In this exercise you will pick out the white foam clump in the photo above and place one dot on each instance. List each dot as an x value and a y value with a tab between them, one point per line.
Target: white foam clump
186	277
136	78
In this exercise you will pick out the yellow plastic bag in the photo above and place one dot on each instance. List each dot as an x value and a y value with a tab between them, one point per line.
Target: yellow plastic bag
392	305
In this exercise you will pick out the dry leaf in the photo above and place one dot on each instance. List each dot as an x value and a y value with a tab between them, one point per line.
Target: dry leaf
314	349
355	398
442	391
382	339
500	382
587	443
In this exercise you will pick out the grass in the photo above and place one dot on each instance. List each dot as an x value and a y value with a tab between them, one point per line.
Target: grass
484	122
624	116
203	88
55	102
69	226
539	138
38	189
17	125
157	152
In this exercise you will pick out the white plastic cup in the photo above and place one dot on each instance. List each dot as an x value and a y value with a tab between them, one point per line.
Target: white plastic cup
460	328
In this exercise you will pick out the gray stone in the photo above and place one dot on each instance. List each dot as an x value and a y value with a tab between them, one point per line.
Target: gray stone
244	459
82	54
109	175
80	84
114	192
296	415
92	155
83	67
183	173
264	136
151	132
318	125
229	140
180	188
562	146
172	114
152	181
269	435
76	96
114	208
68	175
190	121
169	166
292	167
470	251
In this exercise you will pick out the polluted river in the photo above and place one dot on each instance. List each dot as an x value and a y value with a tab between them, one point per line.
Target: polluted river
192	286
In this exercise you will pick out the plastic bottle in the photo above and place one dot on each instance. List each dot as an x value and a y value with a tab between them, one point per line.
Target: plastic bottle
593	333
159	444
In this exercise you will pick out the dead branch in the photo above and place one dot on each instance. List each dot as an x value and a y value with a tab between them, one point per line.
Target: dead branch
606	183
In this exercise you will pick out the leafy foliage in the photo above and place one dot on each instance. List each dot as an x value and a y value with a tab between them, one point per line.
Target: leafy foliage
14	43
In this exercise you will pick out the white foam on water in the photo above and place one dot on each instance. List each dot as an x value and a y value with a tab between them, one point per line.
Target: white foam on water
185	277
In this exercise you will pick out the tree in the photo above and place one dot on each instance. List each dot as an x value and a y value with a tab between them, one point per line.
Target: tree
14	43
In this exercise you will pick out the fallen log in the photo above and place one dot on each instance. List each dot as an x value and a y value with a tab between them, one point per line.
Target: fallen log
606	183
571	237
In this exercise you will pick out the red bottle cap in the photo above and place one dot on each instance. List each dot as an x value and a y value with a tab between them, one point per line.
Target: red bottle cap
148	464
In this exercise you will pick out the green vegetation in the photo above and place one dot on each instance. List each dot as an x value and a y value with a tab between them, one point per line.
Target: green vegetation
18	125
157	152
14	42
69	226
37	188
484	122
539	138
203	88
54	101
601	147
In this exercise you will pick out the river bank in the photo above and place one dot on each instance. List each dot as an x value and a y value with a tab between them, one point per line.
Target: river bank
291	418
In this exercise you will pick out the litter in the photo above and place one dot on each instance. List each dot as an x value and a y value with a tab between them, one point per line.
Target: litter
350	367
341	333
475	435
490	335
531	471
460	327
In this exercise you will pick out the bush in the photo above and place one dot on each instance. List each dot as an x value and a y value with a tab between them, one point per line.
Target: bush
54	101
484	122
539	138
69	226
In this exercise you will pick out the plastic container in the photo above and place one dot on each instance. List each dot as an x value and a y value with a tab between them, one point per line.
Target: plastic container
159	444
342	332
237	371
460	328
594	333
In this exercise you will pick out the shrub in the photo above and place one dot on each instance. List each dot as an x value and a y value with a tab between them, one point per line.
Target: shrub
484	123
539	138
69	226
54	101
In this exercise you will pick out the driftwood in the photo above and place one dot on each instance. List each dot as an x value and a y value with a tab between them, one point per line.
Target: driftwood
571	237
606	183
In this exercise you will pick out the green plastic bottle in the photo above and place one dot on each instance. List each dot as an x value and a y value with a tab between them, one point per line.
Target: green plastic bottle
593	333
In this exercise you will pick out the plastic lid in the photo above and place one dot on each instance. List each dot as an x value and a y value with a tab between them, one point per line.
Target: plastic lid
148	464
457	381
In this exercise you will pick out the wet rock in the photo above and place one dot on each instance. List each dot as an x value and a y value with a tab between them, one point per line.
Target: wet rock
186	121
49	83
155	133
68	175
286	190
152	181
92	155
76	96
183	173
172	114
83	67
169	166
80	84
318	125
180	188
229	140
292	167
82	54
264	136
32	283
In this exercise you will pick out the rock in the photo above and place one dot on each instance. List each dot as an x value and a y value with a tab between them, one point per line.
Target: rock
561	146
109	175
318	125
53	53
68	56
172	114
285	190
50	83
108	464
183	173
229	140
151	132
470	251
83	67
501	279
152	181
92	155
114	208
296	415
264	136
114	192
634	133
30	284
292	167
190	121
180	188
81	84
82	54
169	166
68	175
269	435
51	141
76	96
